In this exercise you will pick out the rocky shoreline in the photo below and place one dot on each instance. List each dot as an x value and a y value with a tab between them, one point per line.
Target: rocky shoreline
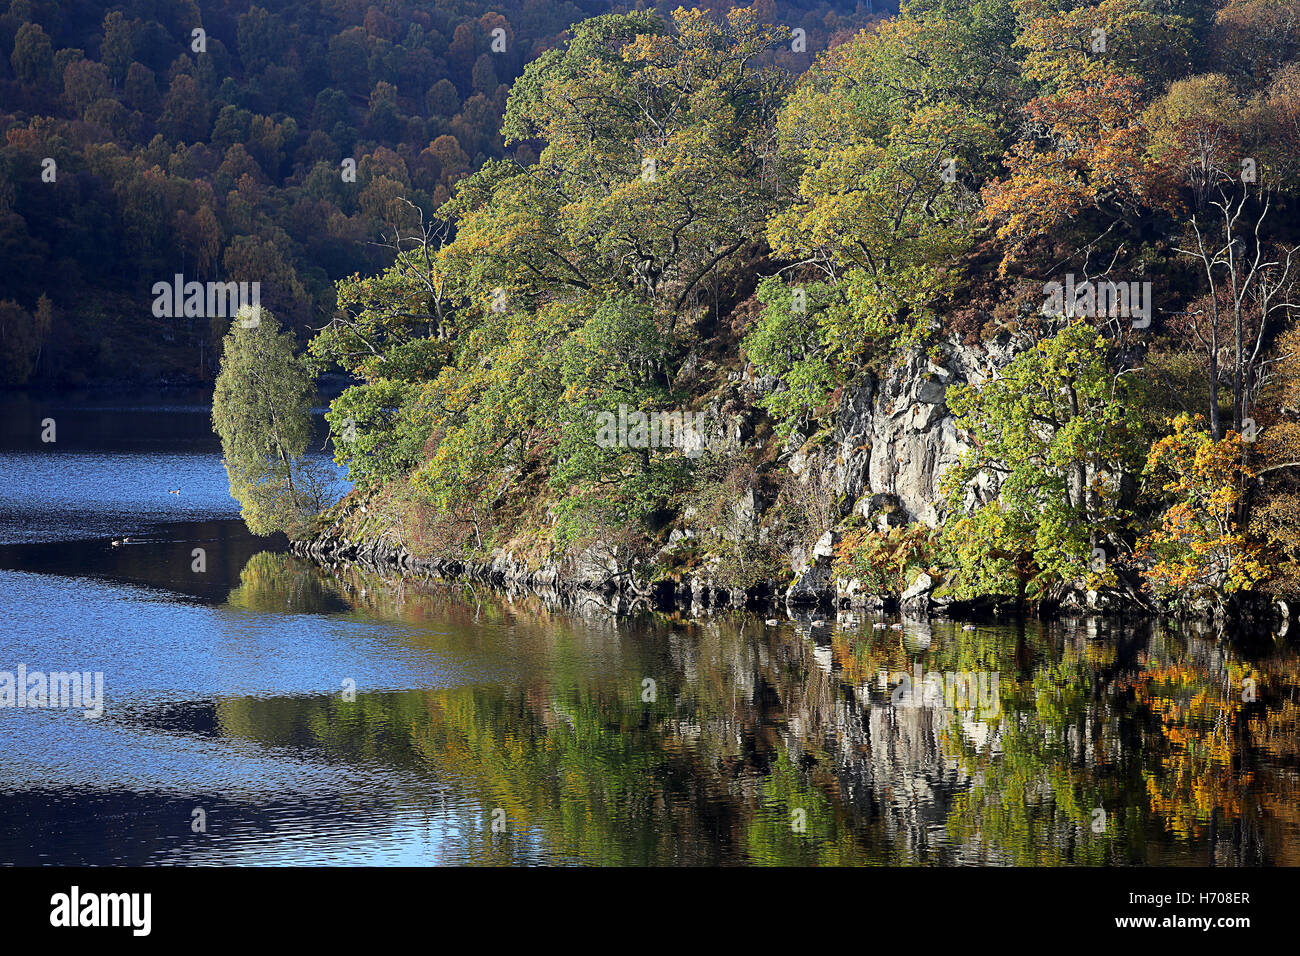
622	590
879	463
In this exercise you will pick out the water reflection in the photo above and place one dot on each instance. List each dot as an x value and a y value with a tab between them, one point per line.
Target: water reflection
782	745
592	739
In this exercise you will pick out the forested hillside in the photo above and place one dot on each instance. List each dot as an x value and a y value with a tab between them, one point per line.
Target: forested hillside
209	138
995	301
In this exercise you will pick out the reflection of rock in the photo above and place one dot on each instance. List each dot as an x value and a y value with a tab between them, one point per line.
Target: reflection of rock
917	634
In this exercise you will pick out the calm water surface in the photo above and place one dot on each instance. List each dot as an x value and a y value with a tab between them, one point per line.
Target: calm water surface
589	740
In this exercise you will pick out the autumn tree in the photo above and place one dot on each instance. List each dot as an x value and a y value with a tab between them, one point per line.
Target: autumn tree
1254	38
1199	551
884	135
117	46
1275	503
1083	148
615	356
490	411
1195	135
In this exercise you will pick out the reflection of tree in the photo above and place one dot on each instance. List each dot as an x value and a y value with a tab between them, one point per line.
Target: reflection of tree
1033	805
373	729
1274	735
1199	710
1198	724
587	771
827	837
281	582
752	723
1045	795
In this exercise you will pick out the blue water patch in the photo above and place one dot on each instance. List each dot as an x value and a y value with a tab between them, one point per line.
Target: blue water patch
59	496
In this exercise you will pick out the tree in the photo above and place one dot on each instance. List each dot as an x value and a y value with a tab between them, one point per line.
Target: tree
186	111
1195	132
618	356
1199	551
379	429
490	411
650	179
22	334
1254	38
260	259
788	341
879	139
85	83
117	46
1042	488
1276	128
400	323
1251	293
141	89
349	60
1082	148
261	409
882	149
442	99
1275	505
32	57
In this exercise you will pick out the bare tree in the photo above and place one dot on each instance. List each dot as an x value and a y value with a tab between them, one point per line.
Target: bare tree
1252	286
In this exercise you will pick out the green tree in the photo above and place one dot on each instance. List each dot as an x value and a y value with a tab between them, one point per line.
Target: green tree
1043	486
261	410
879	141
379	429
650	179
117	46
787	341
618	356
33	56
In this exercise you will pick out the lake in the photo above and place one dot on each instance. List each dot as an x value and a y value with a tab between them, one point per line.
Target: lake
259	710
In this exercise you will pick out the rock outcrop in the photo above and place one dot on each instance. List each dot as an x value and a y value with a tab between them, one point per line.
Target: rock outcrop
882	458
895	436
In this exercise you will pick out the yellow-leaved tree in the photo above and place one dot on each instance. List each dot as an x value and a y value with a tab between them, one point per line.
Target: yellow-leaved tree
1200	551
